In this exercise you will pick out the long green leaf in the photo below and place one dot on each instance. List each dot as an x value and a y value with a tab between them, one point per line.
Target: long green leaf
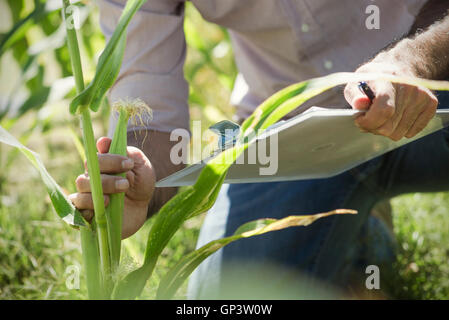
175	277
200	197
288	99
192	201
109	63
42	10
18	31
63	206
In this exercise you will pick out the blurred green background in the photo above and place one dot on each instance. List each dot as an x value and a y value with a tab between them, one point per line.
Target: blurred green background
35	89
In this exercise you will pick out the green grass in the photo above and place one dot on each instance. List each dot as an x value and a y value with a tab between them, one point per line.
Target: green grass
35	249
422	231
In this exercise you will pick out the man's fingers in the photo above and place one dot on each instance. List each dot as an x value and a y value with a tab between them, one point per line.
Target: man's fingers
419	124
423	119
111	163
414	108
408	119
381	110
114	163
356	98
111	184
387	128
405	113
84	201
103	144
87	214
131	177
419	105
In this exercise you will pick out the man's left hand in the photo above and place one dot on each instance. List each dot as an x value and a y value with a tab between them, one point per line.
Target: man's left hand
398	110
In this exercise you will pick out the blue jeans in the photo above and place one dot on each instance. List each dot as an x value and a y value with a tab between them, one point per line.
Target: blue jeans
331	247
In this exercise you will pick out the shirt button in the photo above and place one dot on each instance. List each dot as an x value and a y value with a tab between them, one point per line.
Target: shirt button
328	64
305	27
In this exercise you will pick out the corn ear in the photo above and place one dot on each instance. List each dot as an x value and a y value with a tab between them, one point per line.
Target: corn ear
114	212
127	109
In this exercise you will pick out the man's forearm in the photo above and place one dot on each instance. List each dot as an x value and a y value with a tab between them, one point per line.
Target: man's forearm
426	54
156	145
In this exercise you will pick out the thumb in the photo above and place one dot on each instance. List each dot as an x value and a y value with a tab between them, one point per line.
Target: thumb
103	144
355	98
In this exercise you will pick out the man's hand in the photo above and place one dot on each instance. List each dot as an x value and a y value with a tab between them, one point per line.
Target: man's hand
402	110
138	185
398	110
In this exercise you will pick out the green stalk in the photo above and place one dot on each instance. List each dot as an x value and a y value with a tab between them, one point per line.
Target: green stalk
74	51
114	212
91	263
93	170
97	197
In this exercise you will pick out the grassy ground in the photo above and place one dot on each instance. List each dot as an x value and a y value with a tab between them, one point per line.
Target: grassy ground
422	230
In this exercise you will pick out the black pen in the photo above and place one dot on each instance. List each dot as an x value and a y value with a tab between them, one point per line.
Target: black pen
365	88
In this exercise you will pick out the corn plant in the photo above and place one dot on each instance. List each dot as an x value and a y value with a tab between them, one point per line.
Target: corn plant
100	239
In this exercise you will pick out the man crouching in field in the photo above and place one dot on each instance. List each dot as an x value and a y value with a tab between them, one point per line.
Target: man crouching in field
277	43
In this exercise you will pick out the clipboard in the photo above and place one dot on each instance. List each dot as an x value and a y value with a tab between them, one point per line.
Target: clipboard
319	143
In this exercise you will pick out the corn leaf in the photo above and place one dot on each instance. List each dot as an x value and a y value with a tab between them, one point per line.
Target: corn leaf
63	206
201	196
78	145
175	277
288	99
109	63
17	32
192	201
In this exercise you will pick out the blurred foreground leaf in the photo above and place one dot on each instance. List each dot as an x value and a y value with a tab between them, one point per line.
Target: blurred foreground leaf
179	273
63	206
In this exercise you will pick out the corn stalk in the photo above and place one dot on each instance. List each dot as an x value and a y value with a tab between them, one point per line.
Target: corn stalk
108	227
92	167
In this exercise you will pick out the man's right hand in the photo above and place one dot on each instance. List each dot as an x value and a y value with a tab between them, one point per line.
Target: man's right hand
138	185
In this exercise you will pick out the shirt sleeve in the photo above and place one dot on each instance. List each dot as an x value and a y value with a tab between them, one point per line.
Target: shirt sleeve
152	67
